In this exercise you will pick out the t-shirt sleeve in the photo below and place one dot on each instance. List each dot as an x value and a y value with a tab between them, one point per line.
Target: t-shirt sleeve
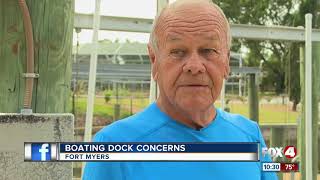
102	170
265	158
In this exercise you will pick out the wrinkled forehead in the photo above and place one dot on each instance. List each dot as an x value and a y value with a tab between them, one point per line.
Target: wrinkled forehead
202	20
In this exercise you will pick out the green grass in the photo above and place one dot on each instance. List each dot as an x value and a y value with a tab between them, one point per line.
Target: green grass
136	103
268	114
100	109
107	109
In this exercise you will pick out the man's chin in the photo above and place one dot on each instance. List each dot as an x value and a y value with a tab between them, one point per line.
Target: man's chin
194	106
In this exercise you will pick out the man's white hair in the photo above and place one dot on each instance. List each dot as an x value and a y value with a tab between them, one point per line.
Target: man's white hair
153	37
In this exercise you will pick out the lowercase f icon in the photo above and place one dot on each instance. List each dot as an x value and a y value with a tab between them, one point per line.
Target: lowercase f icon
41	152
44	150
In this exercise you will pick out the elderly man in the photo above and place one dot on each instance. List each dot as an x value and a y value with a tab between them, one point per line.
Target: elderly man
189	51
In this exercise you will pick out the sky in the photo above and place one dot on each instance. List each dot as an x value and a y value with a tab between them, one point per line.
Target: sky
126	8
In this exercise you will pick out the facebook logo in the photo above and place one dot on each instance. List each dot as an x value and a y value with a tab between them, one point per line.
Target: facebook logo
40	152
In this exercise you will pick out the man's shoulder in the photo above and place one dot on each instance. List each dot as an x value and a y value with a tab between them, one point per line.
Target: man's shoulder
131	128
241	123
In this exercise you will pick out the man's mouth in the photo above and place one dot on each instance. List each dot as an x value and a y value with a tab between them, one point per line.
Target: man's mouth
195	86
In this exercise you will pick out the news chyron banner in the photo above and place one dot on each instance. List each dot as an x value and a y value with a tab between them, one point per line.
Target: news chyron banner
46	151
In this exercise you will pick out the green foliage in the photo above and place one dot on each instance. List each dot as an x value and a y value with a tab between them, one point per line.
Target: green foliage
293	83
121	92
107	96
279	59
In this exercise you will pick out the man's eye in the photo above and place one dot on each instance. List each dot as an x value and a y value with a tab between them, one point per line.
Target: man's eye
177	53
209	52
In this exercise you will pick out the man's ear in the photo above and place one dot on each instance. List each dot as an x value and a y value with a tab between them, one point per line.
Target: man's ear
153	62
227	66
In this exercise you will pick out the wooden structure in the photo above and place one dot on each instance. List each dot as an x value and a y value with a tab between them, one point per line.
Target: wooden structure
52	23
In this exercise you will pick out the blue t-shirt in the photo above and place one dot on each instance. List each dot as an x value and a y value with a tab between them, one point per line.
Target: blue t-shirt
152	125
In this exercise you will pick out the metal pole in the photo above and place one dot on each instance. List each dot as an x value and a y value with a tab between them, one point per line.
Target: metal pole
240	80
223	94
153	90
92	75
308	95
153	93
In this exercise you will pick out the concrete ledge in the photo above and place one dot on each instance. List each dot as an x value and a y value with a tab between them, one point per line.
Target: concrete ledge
15	129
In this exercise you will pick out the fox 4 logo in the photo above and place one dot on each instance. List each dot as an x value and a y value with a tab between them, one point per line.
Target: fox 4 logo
278	152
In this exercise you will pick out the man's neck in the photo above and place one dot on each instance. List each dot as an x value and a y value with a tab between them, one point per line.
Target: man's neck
192	118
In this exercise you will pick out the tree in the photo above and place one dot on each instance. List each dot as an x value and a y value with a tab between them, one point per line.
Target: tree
293	78
275	55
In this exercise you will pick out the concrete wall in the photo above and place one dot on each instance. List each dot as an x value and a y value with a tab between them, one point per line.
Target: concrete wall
15	129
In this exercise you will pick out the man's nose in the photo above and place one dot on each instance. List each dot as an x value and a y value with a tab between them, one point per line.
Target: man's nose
194	65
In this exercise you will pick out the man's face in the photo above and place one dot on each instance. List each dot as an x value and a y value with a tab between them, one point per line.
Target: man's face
192	58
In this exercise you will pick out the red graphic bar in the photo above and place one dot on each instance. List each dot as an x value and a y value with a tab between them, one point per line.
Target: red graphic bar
287	167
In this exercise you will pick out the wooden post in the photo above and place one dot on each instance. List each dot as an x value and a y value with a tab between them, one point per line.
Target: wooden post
116	112
277	140
117	105
316	95
131	112
253	98
301	129
315	112
52	23
315	106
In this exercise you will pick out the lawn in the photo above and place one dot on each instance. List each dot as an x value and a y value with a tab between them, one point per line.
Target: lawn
100	108
268	113
103	109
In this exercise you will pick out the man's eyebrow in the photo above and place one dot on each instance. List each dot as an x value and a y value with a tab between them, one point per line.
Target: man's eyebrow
206	36
211	37
173	38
